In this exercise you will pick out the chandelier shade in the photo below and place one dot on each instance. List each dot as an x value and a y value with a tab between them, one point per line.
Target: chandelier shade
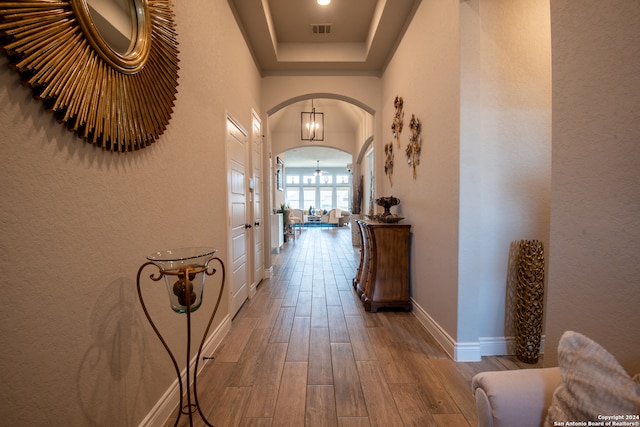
311	125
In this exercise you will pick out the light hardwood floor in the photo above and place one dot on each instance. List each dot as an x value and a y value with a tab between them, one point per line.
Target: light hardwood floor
303	352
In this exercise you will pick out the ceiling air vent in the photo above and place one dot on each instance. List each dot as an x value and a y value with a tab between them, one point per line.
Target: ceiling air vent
321	28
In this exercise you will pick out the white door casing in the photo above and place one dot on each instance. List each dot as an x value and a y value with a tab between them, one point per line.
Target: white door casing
236	141
258	230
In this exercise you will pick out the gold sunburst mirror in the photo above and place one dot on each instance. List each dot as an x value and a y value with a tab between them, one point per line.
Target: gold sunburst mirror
107	69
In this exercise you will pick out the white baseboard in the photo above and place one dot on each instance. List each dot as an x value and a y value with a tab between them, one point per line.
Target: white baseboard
500	346
268	272
164	407
467	351
497	346
440	335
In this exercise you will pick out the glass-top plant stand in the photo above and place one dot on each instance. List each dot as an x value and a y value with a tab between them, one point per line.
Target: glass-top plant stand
184	271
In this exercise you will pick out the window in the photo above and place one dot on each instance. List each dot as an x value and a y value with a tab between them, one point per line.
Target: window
326	198
342	179
342	198
326	179
326	192
309	198
293	197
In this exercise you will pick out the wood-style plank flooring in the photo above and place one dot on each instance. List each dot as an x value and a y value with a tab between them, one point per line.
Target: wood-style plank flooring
303	352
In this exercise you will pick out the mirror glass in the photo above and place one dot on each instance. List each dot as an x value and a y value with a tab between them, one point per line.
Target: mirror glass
116	21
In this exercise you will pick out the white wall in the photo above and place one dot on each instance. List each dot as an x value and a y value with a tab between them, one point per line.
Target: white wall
283	141
425	72
77	222
594	275
505	156
477	74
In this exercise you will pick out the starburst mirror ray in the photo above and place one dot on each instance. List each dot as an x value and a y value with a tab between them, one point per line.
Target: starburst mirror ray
120	101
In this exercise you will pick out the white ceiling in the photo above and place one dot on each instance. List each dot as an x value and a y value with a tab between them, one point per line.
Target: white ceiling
364	34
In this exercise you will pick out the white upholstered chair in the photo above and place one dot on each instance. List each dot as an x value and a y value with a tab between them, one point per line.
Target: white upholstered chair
295	221
514	398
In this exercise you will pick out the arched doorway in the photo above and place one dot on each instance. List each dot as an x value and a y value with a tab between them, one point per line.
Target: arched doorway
348	129
316	177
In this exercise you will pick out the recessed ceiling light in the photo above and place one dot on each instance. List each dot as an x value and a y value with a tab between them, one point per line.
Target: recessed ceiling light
323	2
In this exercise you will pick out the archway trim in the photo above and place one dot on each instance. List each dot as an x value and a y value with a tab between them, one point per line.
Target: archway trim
318	95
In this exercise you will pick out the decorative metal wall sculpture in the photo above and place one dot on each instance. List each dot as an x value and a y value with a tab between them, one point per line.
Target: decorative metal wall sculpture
396	129
529	300
415	144
388	163
398	118
120	100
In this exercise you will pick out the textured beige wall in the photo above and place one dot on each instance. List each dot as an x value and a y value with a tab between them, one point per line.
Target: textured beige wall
477	73
505	156
594	264
425	72
76	223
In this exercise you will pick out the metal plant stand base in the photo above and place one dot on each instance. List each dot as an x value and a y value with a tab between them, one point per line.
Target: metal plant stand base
185	294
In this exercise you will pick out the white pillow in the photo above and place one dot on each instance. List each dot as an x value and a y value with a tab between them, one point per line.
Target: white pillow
594	385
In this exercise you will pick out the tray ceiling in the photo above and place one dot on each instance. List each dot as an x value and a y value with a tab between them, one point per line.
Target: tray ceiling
300	37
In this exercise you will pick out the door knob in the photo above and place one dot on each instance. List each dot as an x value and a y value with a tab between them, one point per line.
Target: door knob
257	223
247	226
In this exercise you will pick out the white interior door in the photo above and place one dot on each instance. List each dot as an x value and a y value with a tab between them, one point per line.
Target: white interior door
237	187
258	230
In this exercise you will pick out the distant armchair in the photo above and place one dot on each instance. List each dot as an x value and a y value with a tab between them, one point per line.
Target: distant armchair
297	213
332	217
293	220
344	218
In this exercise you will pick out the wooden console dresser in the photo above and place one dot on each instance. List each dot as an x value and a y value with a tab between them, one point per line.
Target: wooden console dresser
382	279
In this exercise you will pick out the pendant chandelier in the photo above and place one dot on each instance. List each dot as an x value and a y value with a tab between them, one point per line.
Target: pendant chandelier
311	125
